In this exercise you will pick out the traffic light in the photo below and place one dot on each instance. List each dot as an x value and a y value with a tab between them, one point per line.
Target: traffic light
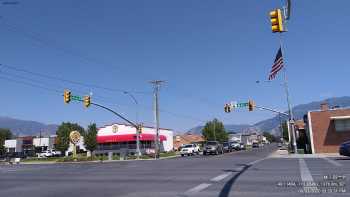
87	101
276	21
139	128
66	96
251	105
227	108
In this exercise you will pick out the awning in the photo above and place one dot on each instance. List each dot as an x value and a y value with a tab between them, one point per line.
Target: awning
340	117
127	138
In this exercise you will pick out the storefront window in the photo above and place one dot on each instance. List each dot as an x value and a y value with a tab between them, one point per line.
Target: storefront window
342	125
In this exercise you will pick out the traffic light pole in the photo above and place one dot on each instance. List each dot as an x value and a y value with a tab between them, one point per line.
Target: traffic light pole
138	152
138	127
290	110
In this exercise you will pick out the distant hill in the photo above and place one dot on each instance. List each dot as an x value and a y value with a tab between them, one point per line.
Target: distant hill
271	124
229	128
25	127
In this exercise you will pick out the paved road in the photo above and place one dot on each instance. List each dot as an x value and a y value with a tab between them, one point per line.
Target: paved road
247	173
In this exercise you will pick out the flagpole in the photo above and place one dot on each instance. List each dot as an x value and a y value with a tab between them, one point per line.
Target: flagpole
290	110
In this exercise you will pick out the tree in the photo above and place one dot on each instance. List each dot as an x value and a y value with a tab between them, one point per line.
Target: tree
90	140
5	134
269	137
63	132
219	134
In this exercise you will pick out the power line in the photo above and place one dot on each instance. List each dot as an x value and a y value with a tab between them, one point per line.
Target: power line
29	84
52	44
176	115
69	81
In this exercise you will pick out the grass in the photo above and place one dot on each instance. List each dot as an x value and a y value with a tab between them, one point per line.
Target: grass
168	154
35	159
81	157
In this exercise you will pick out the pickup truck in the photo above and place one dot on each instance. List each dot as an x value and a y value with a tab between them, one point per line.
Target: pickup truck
49	153
189	149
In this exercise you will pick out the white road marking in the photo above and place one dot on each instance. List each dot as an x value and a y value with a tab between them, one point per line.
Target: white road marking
220	177
332	161
203	186
197	189
257	161
306	178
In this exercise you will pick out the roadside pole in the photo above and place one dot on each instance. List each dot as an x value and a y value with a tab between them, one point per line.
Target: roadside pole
156	84
138	130
290	109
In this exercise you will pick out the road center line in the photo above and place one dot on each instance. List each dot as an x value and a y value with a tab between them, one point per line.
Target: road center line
220	177
332	161
306	178
197	189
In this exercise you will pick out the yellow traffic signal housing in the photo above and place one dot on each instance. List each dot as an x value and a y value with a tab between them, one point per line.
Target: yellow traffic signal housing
227	108
251	105
139	128
67	96
276	21
87	101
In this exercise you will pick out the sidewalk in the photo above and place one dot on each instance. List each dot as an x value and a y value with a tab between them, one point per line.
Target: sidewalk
285	154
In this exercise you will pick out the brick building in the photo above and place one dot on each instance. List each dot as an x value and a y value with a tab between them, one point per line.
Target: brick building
189	138
327	128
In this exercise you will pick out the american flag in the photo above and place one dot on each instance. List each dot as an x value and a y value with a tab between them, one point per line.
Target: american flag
277	65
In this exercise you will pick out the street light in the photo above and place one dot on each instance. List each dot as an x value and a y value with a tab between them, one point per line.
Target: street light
138	152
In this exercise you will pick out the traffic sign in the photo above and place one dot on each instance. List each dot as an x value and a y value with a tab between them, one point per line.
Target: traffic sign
235	104
76	98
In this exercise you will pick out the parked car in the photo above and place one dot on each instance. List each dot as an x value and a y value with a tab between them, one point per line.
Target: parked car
235	145
242	146
344	149
56	153
189	149
255	145
49	153
213	147
227	148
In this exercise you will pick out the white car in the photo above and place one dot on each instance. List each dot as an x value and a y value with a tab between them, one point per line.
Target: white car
46	153
49	153
189	149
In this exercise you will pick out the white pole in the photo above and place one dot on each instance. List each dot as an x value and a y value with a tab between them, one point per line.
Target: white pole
290	110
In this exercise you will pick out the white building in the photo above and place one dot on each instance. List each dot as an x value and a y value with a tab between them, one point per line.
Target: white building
235	137
112	138
44	143
14	145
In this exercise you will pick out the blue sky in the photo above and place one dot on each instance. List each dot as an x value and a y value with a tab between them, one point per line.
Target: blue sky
209	52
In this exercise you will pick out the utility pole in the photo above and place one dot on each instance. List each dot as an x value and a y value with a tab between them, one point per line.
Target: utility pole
156	84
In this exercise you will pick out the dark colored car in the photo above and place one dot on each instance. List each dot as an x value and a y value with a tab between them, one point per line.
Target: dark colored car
255	145
344	149
227	148
213	147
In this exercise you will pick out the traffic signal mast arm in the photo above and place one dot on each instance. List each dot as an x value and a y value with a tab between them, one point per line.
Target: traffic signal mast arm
88	102
273	110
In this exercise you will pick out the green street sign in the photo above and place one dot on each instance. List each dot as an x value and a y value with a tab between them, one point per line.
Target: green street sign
76	98
235	104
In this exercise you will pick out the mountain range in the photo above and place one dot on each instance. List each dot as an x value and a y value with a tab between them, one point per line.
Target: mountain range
26	127
271	125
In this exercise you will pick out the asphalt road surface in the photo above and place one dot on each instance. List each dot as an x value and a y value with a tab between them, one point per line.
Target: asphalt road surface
244	173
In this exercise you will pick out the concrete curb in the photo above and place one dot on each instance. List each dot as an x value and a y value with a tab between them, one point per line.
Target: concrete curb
281	154
96	161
